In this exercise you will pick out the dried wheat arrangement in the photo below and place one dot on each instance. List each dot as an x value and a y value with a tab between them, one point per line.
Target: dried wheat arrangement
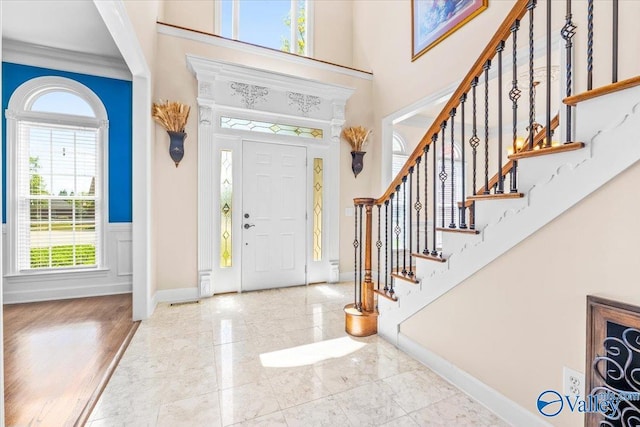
171	115
356	136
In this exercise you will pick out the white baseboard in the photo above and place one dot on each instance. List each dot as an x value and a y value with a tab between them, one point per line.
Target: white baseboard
175	295
58	293
496	402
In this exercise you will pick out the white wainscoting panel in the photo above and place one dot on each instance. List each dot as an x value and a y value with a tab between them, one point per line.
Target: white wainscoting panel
114	277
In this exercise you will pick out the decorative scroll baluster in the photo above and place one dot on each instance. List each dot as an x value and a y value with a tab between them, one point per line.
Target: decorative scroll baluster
410	225
614	59
462	221
426	201
568	31
500	183
443	175
360	262
474	141
404	225
547	123
452	224
514	95
434	142
486	68
386	245
379	246
417	206
397	229
356	243
532	92
589	44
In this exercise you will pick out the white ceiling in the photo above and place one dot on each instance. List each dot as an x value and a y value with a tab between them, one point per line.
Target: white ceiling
73	25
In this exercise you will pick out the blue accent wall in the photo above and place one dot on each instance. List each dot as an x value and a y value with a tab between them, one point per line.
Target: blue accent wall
116	95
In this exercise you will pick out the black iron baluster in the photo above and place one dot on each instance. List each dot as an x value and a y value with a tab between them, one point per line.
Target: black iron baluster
589	44
391	278
486	67
443	174
547	123
514	95
386	245
404	226
434	141
452	224
410	225
379	245
360	269
500	183
397	229
462	221
614	59
568	31
426	201
532	92
418	206
474	141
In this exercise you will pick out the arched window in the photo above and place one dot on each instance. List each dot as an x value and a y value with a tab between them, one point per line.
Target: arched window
56	137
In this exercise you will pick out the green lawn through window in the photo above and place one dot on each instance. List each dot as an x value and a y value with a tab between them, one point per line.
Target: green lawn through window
62	256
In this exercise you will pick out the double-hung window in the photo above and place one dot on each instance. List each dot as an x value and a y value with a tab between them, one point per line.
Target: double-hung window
276	24
56	137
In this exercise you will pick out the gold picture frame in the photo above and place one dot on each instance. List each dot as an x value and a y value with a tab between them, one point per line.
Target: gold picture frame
434	20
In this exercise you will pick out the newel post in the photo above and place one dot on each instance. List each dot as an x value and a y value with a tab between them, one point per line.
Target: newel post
367	287
361	317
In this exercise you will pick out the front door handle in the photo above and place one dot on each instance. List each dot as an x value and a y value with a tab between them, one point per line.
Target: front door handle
248	226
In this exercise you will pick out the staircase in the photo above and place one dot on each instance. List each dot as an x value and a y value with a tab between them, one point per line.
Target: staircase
399	255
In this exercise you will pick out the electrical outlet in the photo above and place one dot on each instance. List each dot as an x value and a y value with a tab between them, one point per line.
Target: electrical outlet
572	382
348	211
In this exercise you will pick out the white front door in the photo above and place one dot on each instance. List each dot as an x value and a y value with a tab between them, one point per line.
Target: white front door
273	216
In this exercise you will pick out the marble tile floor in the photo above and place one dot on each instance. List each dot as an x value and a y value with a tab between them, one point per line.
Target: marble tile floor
274	358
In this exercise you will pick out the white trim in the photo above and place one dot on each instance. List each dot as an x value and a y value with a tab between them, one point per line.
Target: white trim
496	402
19	52
310	30
117	20
218	41
1	251
175	295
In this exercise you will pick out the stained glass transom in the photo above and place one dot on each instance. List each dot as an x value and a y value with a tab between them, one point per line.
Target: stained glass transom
269	127
317	208
226	207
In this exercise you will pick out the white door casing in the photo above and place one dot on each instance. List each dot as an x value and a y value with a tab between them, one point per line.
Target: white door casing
240	92
273	212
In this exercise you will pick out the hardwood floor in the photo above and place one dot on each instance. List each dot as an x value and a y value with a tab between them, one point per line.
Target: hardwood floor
59	354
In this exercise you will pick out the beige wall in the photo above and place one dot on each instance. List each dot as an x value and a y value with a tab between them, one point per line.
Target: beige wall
175	189
517	322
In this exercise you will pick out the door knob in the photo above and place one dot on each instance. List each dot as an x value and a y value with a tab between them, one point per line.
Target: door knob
248	226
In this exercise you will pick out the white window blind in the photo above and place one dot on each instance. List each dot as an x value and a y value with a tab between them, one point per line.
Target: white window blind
57	194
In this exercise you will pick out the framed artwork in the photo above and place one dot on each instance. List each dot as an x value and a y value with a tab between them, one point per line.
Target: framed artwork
434	20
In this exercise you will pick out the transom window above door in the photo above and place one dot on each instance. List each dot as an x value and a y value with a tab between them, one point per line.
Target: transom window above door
276	24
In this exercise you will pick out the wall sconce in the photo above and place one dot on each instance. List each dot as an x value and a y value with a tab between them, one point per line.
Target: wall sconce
357	139
173	117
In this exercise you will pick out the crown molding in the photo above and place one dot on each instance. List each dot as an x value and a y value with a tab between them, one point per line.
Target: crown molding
18	52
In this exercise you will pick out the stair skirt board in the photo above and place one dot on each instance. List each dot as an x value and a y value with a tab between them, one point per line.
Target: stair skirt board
497	403
552	184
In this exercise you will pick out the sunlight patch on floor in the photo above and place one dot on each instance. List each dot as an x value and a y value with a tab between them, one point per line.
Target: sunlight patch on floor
310	353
